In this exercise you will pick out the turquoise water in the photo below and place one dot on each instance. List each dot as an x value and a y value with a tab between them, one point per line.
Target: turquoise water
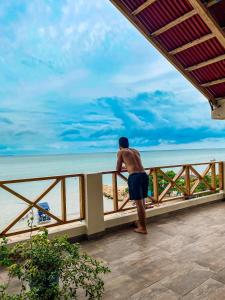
32	166
40	166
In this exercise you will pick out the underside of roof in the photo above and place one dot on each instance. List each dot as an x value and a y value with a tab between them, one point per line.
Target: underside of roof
190	34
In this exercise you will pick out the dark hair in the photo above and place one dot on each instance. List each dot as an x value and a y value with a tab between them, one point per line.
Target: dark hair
123	142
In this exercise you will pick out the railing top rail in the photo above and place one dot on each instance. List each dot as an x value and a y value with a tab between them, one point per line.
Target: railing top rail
40	178
165	167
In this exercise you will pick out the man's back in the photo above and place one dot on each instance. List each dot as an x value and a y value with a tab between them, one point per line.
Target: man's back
137	180
132	160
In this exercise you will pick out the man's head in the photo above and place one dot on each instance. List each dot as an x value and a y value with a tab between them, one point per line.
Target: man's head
123	142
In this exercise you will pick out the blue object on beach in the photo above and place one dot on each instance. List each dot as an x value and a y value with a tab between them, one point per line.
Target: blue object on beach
150	193
42	217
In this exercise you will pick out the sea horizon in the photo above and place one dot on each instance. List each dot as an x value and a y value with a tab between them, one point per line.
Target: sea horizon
28	166
103	152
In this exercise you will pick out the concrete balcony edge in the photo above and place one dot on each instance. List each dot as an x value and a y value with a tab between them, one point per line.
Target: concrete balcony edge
120	218
78	230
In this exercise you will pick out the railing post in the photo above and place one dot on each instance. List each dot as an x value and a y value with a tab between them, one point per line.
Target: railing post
213	176
221	175
115	191
82	196
187	182
155	185
94	208
63	200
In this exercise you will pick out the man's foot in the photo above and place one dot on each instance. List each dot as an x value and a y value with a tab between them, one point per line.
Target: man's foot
141	230
136	224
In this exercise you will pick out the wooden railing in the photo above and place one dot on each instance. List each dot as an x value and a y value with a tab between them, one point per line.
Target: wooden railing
166	183
53	218
187	181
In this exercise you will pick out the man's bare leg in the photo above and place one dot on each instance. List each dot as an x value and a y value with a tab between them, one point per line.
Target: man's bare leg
141	216
137	223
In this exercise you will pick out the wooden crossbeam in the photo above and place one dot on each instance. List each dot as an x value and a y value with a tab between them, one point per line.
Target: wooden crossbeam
143	6
31	205
171	184
123	177
209	20
124	204
174	23
193	43
200	178
218	81
206	63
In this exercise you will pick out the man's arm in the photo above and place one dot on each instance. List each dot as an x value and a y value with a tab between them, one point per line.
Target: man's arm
119	161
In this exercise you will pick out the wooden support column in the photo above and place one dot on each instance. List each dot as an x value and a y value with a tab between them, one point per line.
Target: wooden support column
94	216
155	185
213	176
63	200
115	191
82	196
187	181
221	176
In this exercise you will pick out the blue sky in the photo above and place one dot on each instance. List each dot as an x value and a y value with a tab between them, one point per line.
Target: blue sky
76	75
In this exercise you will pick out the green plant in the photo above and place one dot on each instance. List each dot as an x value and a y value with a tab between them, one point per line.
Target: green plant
51	269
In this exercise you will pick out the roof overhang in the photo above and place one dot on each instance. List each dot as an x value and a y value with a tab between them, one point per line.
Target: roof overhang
190	34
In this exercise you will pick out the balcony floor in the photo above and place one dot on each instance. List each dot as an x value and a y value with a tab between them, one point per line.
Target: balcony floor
182	257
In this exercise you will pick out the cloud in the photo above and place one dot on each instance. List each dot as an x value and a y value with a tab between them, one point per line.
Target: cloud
69	132
5	121
76	75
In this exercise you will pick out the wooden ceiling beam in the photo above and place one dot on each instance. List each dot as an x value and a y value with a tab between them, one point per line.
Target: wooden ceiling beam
142	29
210	83
209	20
174	23
219	99
147	3
206	63
193	43
143	6
213	2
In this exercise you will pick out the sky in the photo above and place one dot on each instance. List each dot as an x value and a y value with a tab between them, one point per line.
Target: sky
76	75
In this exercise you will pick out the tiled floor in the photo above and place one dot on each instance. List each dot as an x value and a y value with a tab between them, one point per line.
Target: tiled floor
182	257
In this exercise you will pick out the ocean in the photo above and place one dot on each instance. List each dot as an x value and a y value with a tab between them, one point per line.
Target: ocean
14	167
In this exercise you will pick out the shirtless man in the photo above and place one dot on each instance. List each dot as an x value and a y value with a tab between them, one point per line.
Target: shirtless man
137	181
